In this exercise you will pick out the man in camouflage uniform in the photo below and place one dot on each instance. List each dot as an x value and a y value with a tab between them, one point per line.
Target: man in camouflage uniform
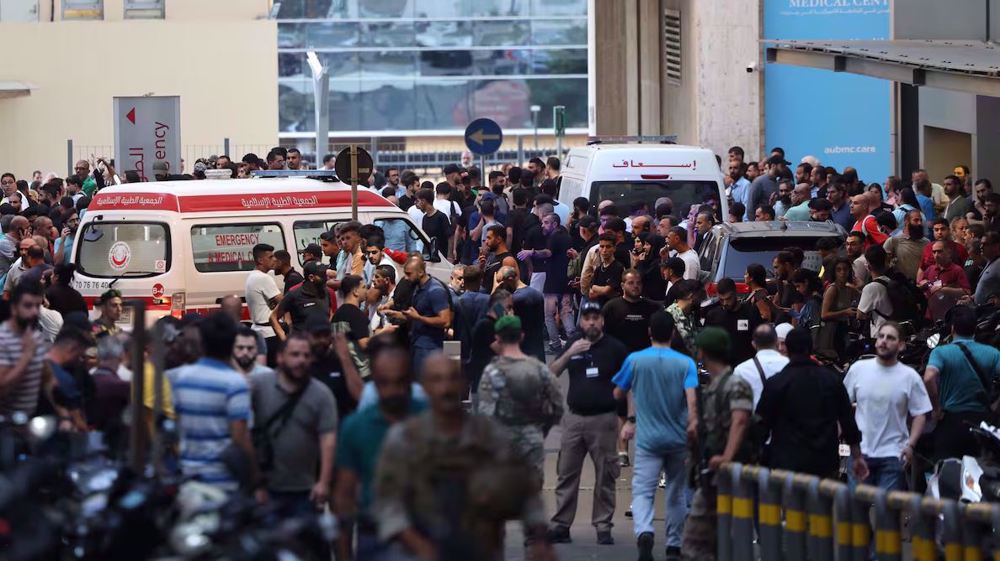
726	402
520	392
447	482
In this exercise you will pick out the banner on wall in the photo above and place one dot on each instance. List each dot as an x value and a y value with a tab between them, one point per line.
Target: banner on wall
841	119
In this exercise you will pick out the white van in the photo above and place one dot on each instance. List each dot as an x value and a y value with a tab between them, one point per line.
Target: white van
629	174
183	246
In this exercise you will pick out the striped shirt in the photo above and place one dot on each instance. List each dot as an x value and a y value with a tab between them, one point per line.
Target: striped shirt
208	395
23	395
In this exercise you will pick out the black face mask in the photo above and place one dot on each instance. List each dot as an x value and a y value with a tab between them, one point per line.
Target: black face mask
395	405
916	231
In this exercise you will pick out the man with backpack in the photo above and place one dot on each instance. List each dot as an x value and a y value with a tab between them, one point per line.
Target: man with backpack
961	380
889	295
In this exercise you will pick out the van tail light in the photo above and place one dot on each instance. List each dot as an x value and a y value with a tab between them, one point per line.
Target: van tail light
177	301
655	176
712	289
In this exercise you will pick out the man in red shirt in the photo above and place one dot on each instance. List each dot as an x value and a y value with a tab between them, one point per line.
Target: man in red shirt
944	282
942	233
865	223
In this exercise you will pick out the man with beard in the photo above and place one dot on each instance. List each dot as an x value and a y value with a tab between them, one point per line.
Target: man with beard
958	203
886	393
841	211
63	246
942	233
493	255
308	300
299	417
361	437
430	463
627	316
590	426
906	249
245	353
332	365
22	352
737	317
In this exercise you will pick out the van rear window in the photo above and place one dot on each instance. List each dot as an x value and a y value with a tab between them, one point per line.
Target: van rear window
628	194
229	248
124	249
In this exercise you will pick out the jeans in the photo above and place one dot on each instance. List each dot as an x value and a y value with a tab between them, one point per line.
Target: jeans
884	473
560	305
645	476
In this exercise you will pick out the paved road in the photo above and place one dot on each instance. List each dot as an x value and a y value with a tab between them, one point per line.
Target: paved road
584	546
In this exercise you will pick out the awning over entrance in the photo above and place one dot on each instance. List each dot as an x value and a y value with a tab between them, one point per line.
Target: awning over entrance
968	66
11	88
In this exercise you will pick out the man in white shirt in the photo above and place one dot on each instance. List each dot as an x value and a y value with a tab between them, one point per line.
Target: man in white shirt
262	296
766	363
887	392
875	304
677	241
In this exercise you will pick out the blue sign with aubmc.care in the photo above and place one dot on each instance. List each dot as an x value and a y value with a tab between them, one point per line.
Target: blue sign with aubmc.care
842	119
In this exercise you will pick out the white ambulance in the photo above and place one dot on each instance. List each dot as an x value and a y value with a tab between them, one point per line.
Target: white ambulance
630	174
182	246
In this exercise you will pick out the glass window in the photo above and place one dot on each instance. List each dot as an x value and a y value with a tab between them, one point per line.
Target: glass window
628	194
296	106
144	9
308	231
388	34
307	9
743	252
400	235
291	35
83	9
559	32
501	33
466	8
558	7
441	34
228	248
124	249
332	34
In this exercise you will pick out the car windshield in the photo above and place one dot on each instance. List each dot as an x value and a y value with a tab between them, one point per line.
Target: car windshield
627	195
744	252
124	249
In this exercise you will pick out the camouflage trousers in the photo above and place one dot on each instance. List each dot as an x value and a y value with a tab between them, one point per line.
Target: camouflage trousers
700	530
529	440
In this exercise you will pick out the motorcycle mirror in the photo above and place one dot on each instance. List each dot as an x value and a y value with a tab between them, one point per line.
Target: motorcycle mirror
42	428
933	340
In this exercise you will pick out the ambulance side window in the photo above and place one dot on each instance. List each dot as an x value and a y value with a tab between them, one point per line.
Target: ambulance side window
400	235
227	248
307	232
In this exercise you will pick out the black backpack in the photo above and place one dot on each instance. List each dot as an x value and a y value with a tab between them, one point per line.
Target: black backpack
908	302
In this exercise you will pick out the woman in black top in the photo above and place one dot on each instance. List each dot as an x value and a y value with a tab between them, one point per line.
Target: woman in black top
647	262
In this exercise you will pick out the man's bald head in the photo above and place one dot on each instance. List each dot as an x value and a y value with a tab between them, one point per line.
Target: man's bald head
18	227
232	306
765	337
444	384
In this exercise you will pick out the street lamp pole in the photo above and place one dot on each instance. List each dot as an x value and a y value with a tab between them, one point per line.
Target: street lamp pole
321	97
534	121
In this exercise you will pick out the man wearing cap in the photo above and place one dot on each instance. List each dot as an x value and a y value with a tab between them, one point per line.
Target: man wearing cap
590	426
659	384
766	184
304	301
519	392
111	311
724	417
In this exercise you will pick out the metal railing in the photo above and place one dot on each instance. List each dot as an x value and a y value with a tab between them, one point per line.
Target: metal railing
802	517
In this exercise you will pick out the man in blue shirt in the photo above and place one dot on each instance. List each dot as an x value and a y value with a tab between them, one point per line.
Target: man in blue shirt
740	184
959	377
430	313
660	384
212	402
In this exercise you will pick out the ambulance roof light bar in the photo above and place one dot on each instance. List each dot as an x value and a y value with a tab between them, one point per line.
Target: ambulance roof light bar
321	174
641	139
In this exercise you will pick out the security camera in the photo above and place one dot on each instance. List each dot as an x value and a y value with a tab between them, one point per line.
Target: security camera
751	66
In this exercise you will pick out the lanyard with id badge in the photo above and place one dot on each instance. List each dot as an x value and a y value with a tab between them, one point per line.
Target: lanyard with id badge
591	370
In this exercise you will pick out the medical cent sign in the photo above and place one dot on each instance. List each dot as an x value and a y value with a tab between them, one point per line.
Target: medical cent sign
147	136
842	119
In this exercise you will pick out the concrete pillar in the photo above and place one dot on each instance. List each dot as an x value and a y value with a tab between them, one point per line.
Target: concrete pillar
650	47
616	67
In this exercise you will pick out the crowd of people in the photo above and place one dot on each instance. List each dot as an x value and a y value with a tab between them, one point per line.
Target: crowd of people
338	392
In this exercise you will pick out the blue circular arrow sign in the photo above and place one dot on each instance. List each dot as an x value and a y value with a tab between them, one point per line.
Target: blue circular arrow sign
483	137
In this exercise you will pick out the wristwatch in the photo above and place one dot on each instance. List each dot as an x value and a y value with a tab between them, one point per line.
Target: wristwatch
631	419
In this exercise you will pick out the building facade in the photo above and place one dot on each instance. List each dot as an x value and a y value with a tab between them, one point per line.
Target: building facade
424	69
63	67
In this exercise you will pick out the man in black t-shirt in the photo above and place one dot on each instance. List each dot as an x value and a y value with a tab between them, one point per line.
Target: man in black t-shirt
738	317
435	224
332	365
558	302
349	318
628	315
518	222
607	280
494	255
411	183
310	299
590	426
